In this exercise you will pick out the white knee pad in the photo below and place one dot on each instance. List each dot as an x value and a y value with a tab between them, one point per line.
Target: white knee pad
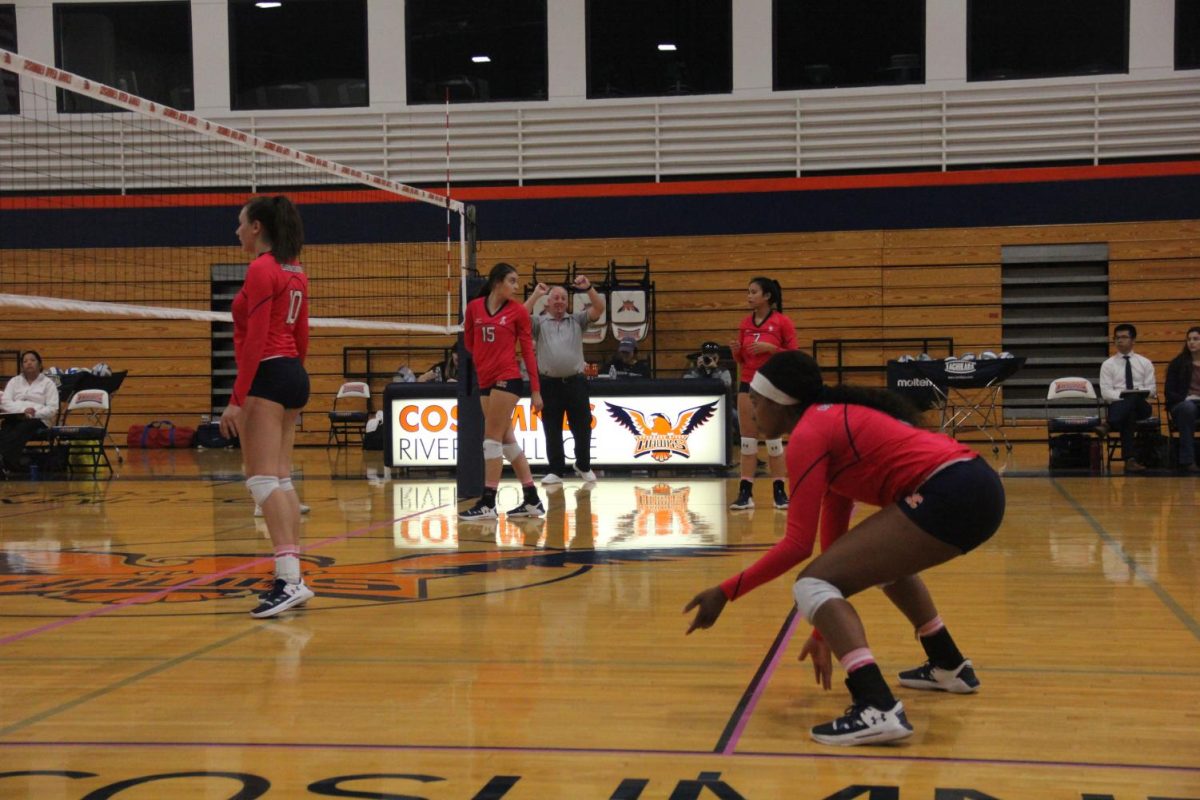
511	451
492	450
749	446
285	484
261	487
774	447
812	593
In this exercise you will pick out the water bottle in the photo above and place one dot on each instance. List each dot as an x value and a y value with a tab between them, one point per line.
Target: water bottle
612	371
34	472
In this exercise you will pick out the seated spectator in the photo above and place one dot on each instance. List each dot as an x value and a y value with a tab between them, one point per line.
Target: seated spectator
30	404
1182	391
445	371
1120	375
707	364
625	364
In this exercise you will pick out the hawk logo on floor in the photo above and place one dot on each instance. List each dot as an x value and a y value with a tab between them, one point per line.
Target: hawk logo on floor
657	435
160	584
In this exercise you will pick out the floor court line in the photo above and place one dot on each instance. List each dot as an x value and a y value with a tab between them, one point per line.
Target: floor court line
616	751
128	681
149	596
1111	542
732	734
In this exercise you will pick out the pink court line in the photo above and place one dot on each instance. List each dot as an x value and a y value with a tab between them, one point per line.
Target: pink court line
748	710
151	596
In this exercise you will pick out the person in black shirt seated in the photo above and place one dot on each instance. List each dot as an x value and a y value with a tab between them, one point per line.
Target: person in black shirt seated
626	364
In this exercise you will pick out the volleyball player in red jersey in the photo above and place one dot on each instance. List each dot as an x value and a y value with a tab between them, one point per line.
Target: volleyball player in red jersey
765	331
938	500
494	324
270	342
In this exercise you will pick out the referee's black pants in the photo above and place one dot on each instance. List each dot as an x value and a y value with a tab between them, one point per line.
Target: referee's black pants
569	395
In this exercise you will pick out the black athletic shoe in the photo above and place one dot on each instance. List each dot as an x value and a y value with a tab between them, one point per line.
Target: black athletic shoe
744	501
283	595
960	680
781	498
479	511
865	724
528	509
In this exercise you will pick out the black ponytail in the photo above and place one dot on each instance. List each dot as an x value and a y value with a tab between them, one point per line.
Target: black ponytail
497	275
771	287
282	225
797	375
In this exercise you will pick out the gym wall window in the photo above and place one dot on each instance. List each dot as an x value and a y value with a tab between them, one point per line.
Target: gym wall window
141	48
297	54
10	92
654	48
476	52
1017	39
820	44
1187	34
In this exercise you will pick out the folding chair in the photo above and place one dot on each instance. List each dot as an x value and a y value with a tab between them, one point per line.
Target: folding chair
84	442
629	300
344	424
1146	433
594	332
1071	437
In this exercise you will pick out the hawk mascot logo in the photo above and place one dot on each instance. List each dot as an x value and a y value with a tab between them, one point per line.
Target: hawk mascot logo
657	435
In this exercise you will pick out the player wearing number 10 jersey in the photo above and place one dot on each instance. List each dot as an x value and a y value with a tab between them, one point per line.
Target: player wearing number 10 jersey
270	341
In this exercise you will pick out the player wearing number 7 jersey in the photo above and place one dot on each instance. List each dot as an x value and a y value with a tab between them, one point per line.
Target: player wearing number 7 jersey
765	331
270	342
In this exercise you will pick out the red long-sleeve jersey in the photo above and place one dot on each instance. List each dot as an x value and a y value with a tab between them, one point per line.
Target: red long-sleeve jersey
492	340
775	329
836	455
270	318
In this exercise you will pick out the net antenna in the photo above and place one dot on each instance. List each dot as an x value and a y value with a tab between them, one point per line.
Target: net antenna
89	173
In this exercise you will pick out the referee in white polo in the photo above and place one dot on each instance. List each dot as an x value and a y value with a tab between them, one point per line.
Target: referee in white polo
559	339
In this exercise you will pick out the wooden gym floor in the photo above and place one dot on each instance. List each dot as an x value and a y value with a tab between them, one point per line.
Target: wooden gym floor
546	659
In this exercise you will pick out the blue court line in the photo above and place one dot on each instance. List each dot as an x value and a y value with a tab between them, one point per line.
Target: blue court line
623	752
1163	595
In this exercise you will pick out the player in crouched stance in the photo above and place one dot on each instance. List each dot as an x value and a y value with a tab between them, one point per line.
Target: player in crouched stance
937	498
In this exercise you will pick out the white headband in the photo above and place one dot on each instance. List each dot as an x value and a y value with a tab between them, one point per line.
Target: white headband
763	386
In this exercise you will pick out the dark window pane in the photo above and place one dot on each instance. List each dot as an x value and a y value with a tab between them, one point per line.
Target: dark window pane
297	54
824	43
1012	39
629	47
10	93
1187	34
141	48
476	50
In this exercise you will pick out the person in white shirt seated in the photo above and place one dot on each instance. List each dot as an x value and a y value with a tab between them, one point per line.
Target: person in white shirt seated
1126	382
29	404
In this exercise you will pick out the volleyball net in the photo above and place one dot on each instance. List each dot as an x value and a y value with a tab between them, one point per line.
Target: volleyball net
114	204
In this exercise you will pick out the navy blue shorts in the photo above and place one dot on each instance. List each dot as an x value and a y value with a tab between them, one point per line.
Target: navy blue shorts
283	381
512	386
962	505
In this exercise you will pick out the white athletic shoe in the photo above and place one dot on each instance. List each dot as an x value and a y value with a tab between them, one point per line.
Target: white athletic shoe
961	680
550	478
865	724
588	475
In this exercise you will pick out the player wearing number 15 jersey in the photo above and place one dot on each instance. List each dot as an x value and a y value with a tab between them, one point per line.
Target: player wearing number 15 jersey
270	341
494	324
